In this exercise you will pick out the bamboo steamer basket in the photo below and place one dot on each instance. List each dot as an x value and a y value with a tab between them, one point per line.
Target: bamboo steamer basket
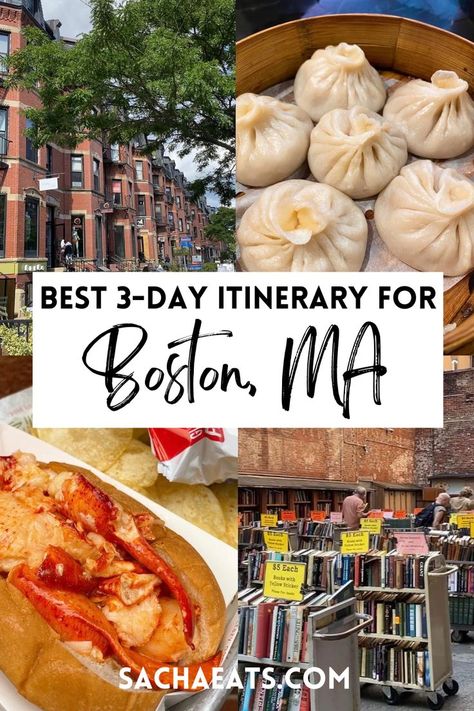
393	45
390	43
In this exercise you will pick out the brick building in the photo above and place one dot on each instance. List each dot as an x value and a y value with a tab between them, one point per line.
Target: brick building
118	206
445	457
378	455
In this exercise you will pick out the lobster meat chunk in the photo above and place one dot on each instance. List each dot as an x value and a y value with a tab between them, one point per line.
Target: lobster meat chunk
60	570
75	618
91	508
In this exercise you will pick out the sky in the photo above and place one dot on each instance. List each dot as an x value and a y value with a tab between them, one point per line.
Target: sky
75	19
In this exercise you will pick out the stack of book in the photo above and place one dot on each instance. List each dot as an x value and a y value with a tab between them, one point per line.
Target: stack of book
453	547
318	565
380	569
394	663
462	580
280	696
404	616
250	535
274	630
315	528
461	611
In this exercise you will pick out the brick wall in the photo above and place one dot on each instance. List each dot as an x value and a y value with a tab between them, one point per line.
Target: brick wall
335	454
396	456
450	450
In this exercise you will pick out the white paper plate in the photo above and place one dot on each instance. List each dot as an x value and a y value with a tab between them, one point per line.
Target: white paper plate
221	558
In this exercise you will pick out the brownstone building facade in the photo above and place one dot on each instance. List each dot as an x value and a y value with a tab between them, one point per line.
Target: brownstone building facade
119	207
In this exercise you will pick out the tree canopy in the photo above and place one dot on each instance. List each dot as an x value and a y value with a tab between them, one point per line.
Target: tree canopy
159	69
221	228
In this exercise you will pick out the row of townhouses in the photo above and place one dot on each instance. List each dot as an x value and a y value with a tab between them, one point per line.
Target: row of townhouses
119	208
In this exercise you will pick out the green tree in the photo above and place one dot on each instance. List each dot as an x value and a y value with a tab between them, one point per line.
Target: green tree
162	69
221	228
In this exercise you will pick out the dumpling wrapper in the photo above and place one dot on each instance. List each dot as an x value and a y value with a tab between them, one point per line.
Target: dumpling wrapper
357	151
426	218
272	139
301	226
338	77
436	117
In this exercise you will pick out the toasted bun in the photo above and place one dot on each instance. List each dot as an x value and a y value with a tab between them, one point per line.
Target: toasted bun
46	673
51	676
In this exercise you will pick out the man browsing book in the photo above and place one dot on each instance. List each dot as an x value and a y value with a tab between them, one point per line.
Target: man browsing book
354	508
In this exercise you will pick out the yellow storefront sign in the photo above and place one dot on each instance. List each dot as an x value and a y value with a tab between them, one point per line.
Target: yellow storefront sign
284	580
276	541
372	525
269	520
355	541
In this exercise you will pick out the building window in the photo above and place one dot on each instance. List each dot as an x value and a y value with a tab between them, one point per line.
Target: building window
130	189
170	218
180	223
31	150
3	131
96	165
117	191
4	51
152	205
49	159
139	170
115	153
78	235
178	201
31	227
3	222
77	171
141	205
188	227
119	241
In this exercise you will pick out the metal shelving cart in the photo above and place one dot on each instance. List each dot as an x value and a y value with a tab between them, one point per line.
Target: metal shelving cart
325	655
459	630
438	641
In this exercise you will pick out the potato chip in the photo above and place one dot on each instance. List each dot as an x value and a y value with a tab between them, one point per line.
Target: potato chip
194	502
136	467
99	448
226	494
142	435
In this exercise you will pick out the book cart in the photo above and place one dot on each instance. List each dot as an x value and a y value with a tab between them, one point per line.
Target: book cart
458	550
460	628
325	654
434	593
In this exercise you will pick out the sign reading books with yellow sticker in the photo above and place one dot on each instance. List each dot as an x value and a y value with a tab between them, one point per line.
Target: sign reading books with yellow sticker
464	520
284	580
355	541
372	525
269	520
276	541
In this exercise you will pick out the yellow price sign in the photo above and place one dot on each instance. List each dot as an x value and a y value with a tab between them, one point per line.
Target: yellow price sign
372	525
464	520
269	520
472	529
355	541
284	580
276	541
453	519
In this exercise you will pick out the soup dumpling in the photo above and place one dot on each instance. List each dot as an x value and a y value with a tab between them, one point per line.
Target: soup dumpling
272	139
338	77
301	226
357	151
425	216
436	117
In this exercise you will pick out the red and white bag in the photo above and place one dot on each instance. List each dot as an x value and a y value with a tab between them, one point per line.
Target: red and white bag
195	455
